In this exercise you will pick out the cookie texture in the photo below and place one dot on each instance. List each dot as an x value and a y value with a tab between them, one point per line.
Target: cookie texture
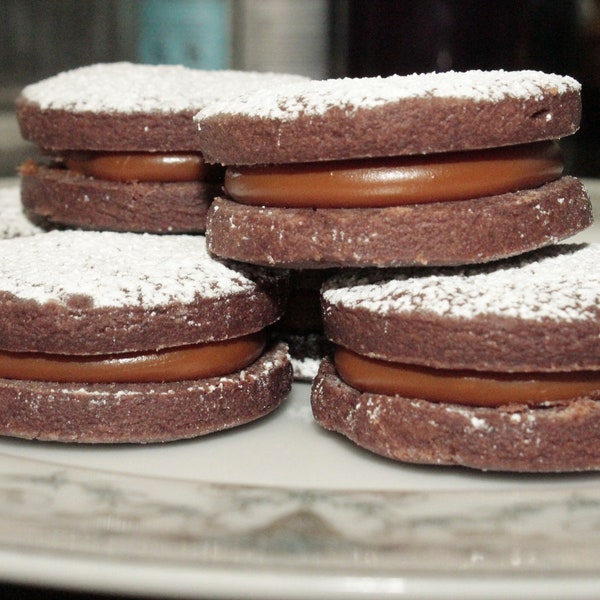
398	115
442	233
58	197
77	292
537	312
144	413
128	107
558	437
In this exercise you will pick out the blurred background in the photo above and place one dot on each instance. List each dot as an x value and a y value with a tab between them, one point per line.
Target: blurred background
318	38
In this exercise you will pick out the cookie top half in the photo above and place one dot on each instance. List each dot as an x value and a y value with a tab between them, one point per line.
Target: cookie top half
76	292
537	312
126	106
393	116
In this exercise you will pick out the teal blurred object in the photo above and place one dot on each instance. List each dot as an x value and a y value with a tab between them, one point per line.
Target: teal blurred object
194	33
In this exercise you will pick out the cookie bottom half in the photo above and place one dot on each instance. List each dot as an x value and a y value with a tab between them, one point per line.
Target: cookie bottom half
57	197
562	437
435	234
144	413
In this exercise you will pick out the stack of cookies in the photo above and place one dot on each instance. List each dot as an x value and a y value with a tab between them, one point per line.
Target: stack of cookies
400	235
462	333
113	331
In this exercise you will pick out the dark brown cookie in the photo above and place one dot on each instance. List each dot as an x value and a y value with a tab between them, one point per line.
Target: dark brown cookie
78	292
442	233
511	323
128	107
399	115
537	312
120	109
560	437
143	413
429	169
110	337
59	197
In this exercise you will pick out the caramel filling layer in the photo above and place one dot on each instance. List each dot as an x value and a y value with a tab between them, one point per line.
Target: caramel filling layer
470	388
398	180
199	361
143	166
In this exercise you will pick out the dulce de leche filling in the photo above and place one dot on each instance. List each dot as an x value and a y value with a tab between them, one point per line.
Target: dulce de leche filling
198	361
154	167
382	182
472	388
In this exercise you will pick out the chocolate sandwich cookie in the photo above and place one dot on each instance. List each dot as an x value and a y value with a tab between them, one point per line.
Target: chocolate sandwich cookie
432	169
13	221
119	337
491	366
122	147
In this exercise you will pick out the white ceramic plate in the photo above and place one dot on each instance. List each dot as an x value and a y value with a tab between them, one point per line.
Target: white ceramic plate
283	509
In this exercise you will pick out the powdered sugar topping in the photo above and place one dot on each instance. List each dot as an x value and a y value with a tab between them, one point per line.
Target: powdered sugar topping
317	97
559	283
13	222
132	88
115	269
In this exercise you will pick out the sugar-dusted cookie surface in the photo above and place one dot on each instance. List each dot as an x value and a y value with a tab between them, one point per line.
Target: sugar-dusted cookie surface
124	106
398	115
13	221
537	312
81	292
